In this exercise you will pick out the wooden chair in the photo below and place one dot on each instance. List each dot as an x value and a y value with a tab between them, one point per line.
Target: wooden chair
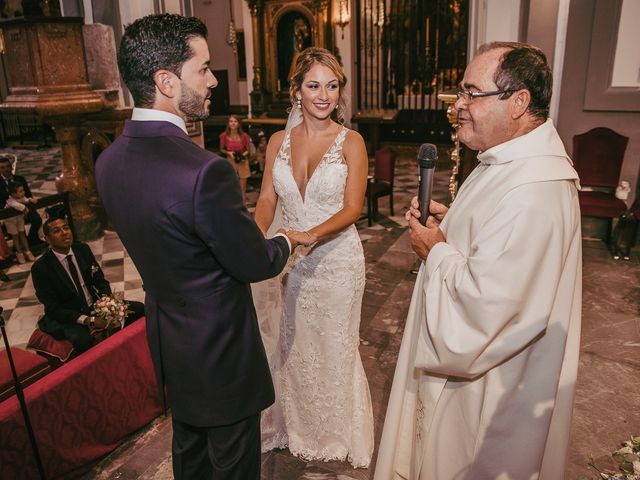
381	184
597	156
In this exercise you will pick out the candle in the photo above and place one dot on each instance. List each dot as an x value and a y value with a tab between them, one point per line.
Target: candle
426	36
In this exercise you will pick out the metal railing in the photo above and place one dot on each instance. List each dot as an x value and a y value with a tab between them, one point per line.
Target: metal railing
409	51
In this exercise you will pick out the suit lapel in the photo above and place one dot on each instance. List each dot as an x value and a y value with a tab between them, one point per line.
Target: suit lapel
59	270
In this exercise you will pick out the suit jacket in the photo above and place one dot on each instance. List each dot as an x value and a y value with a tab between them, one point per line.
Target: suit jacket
179	212
4	188
56	291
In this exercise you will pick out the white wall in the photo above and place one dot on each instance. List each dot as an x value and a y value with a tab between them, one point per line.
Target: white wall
131	11
346	48
626	67
245	20
239	7
493	20
216	15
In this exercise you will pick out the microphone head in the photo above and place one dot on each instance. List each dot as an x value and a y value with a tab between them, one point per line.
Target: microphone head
427	155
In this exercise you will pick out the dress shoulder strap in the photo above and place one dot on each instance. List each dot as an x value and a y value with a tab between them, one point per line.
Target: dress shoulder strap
284	150
335	152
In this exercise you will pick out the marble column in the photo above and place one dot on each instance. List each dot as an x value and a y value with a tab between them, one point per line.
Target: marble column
76	180
48	78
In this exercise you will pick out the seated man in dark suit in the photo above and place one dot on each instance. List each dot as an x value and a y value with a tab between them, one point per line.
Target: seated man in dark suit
32	216
68	280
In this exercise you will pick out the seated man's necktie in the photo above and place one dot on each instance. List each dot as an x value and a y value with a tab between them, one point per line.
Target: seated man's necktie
76	279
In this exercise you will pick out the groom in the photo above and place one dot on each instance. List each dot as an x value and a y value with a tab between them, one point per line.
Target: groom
179	212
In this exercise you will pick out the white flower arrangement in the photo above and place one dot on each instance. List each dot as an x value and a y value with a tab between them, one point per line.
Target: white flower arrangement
110	311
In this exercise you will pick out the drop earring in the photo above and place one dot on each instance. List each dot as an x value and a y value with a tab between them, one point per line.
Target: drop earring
299	103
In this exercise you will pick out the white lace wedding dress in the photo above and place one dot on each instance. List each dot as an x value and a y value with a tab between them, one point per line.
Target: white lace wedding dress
310	318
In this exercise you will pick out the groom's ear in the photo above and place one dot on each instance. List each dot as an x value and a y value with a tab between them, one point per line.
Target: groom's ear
165	82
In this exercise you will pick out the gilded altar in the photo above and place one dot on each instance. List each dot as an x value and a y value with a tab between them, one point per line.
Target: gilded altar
281	30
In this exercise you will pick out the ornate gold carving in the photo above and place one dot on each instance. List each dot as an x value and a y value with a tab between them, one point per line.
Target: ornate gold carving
52	32
274	9
267	93
257	77
316	5
255	6
452	116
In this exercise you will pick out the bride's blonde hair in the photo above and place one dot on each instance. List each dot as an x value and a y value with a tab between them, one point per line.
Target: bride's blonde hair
305	61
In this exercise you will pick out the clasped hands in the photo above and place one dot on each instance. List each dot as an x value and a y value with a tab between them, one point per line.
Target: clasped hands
299	238
423	238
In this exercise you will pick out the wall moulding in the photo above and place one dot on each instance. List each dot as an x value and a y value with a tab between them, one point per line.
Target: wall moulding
600	95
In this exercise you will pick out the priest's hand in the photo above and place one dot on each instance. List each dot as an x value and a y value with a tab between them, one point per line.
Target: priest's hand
436	209
423	238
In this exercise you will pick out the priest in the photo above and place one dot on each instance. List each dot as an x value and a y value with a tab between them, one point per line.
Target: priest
486	374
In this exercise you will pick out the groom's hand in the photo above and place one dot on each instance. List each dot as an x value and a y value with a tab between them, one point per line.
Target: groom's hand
293	241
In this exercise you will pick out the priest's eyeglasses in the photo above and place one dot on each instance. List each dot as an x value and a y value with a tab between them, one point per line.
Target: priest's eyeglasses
468	95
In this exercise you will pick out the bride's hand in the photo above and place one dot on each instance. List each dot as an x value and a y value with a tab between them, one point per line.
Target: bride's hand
292	242
303	238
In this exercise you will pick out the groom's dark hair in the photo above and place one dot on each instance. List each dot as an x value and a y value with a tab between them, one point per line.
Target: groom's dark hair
152	43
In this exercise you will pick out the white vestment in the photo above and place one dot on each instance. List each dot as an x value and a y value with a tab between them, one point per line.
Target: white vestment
486	373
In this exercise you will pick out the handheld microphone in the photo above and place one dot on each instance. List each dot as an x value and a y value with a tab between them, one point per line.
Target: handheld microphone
427	157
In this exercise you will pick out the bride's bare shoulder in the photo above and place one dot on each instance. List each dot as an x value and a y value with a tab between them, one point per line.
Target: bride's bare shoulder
353	143
275	141
277	137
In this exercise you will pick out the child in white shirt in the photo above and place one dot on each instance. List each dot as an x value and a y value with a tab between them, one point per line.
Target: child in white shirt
15	225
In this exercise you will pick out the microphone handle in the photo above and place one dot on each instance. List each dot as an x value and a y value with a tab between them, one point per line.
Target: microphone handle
424	194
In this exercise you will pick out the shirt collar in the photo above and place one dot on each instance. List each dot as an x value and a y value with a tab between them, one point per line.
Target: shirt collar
150	114
541	141
62	256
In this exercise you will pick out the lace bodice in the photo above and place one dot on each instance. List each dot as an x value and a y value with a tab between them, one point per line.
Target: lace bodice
324	192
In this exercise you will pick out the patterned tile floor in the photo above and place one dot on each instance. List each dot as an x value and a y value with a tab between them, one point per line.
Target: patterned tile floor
17	297
605	411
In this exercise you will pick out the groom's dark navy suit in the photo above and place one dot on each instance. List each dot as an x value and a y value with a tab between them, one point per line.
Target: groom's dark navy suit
179	212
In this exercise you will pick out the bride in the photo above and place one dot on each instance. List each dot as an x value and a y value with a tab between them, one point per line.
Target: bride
314	181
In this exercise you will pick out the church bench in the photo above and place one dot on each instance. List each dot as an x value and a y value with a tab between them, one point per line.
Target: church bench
29	368
83	410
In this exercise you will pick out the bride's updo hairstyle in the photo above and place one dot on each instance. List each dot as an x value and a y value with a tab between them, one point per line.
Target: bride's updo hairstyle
307	58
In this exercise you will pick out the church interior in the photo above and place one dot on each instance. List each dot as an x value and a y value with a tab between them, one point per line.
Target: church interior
62	102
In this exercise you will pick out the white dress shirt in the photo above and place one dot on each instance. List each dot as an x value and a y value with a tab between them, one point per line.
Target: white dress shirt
62	258
150	114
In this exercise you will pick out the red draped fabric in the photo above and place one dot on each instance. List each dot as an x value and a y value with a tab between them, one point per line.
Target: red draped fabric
83	410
